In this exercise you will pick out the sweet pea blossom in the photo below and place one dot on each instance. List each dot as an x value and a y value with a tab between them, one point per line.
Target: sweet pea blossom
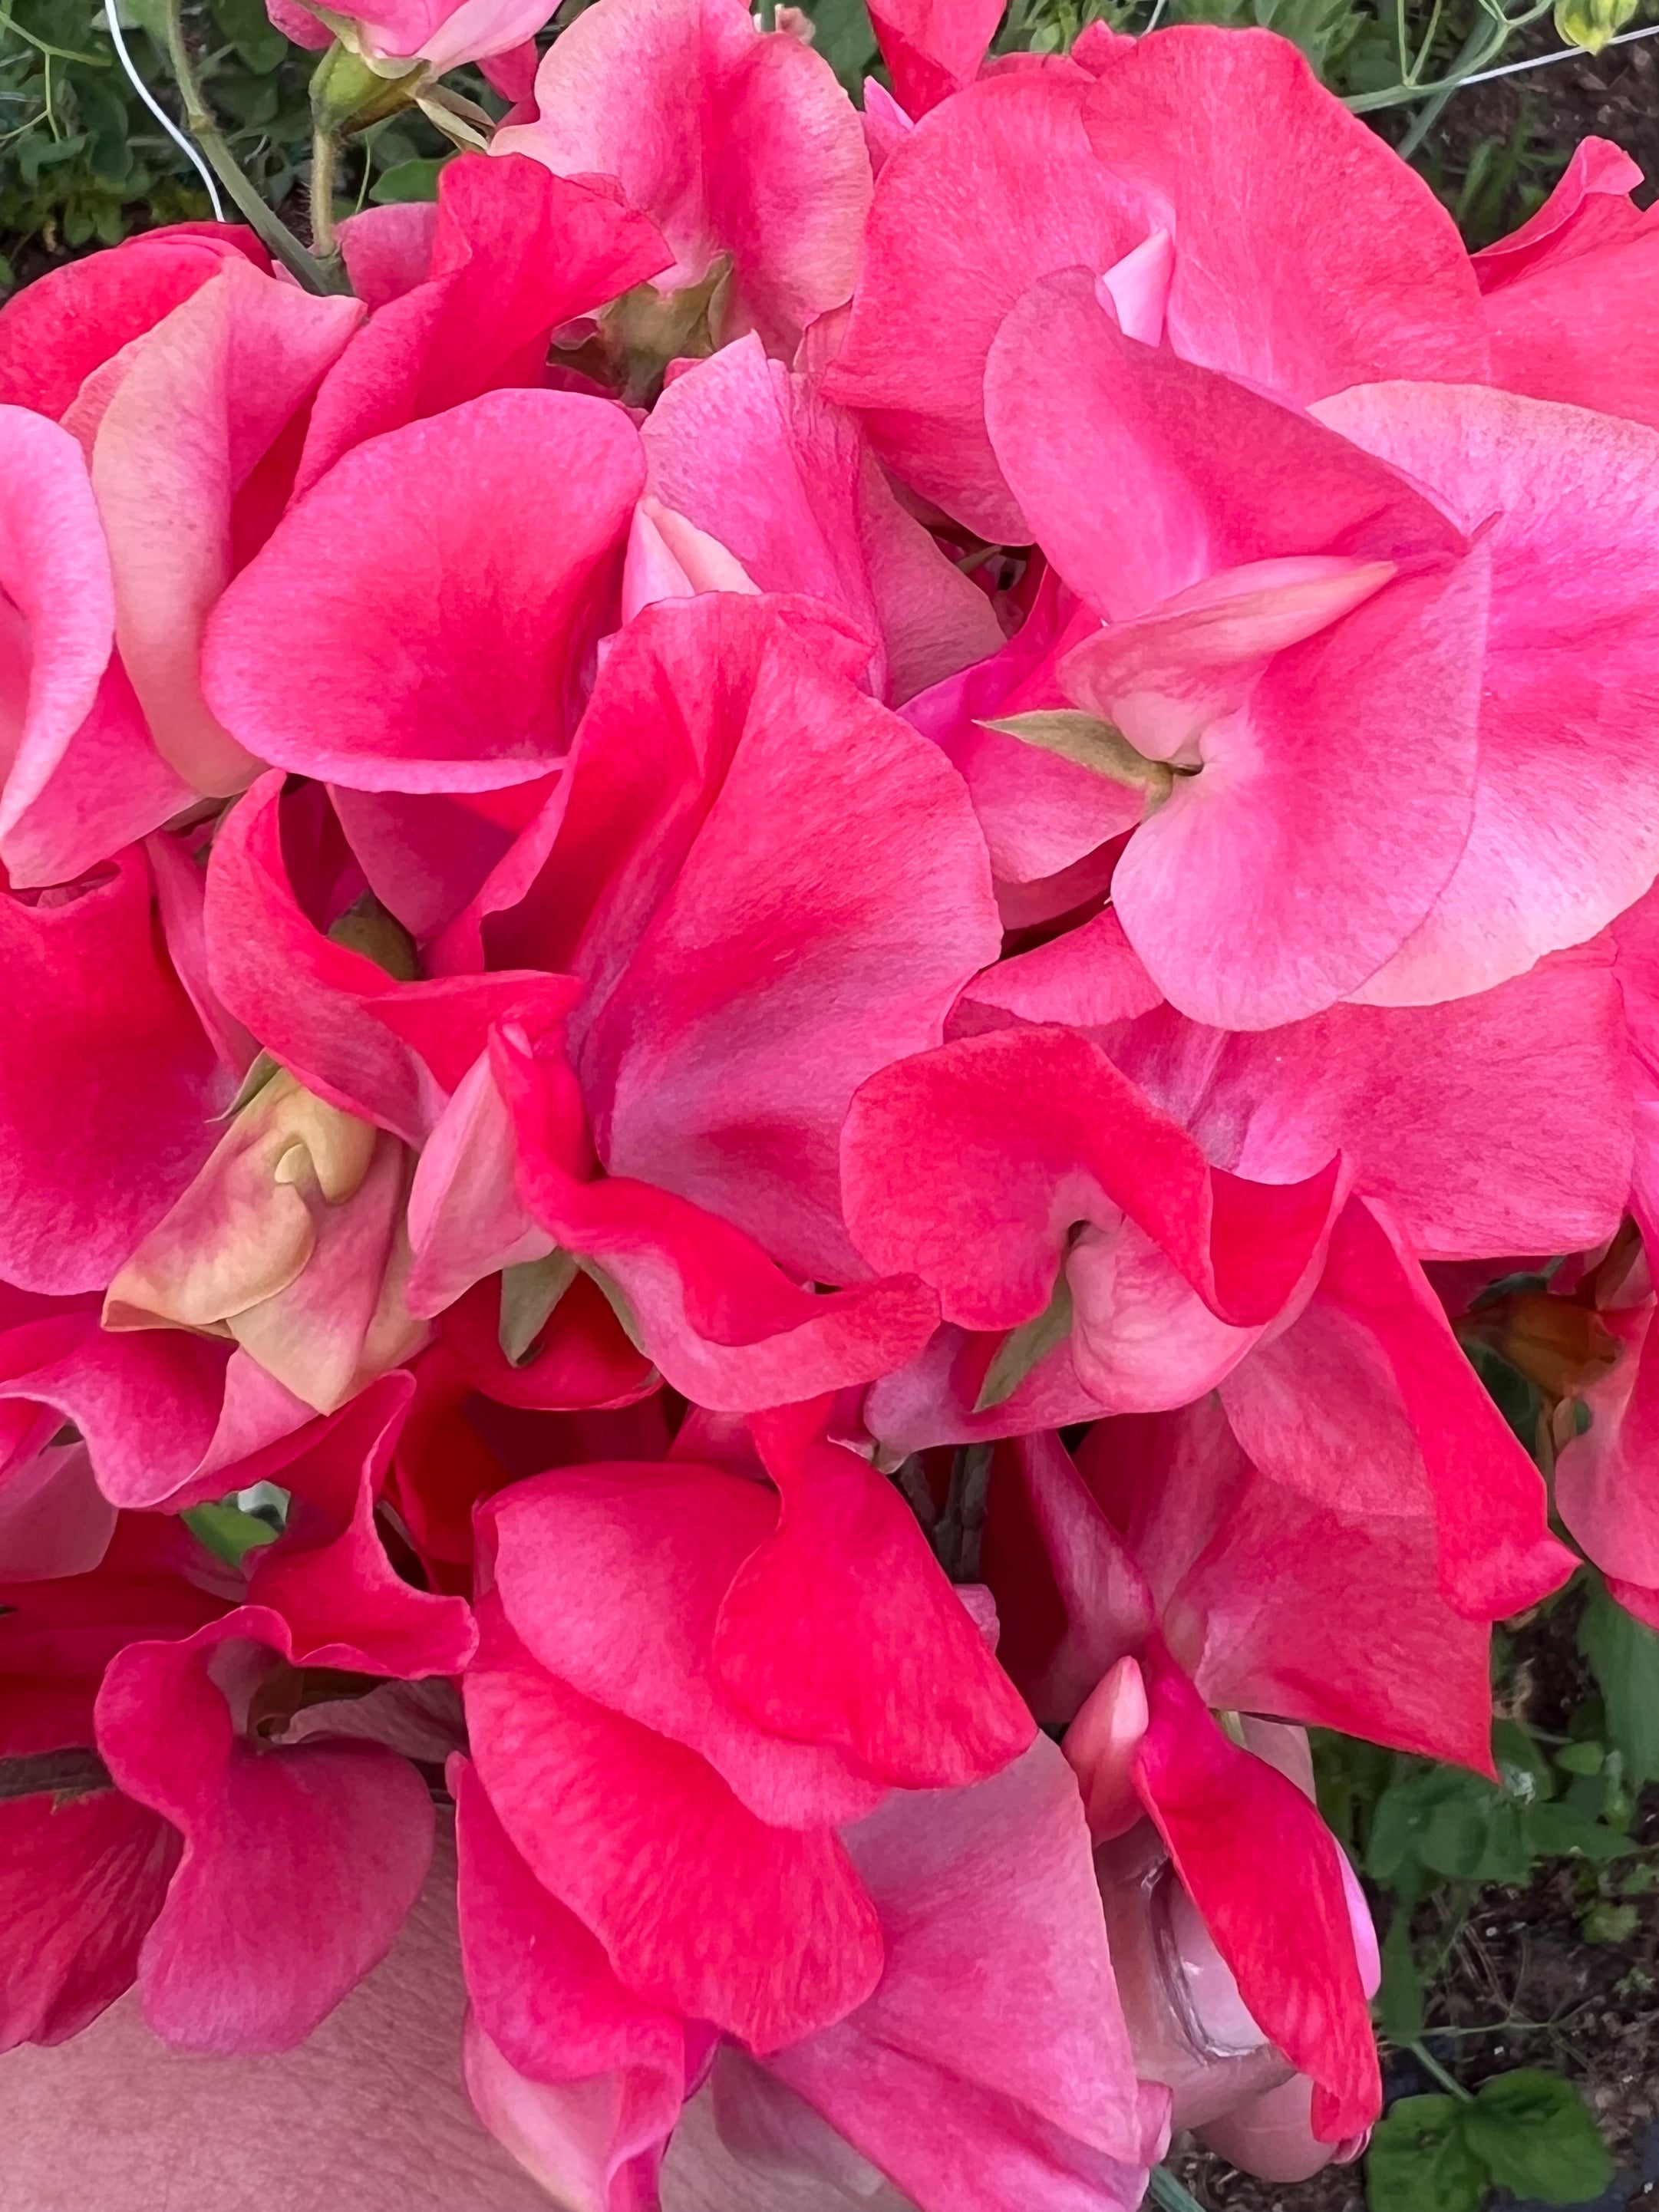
794	949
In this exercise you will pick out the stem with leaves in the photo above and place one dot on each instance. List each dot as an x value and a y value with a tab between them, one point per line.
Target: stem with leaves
199	121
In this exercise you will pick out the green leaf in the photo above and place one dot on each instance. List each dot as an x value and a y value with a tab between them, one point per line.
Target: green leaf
1534	2135
409	180
1558	1830
1419	2161
1523	1766
1399	2000
841	34
226	1531
1022	1349
1610	1924
257	42
1624	1657
1581	1757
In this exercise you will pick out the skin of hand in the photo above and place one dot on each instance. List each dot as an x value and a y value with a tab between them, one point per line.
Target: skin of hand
370	2113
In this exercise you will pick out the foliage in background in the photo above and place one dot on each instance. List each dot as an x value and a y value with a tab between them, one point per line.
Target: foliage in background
82	162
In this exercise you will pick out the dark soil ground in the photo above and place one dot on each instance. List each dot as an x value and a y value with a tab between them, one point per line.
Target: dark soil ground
1497	148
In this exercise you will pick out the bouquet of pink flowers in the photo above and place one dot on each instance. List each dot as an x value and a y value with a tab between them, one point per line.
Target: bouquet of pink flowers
787	937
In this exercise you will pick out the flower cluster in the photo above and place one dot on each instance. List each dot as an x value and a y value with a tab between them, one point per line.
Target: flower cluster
789	946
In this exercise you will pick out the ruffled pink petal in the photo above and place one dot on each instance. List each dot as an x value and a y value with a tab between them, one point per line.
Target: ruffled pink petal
387	251
594	2145
1367	1402
202	399
725	1325
387	1051
419	621
1328	1613
299	1864
748	840
1424	1101
949	1172
1565	831
165	1414
54	1520
730	140
702	1908
1563	294
108	787
57	616
515	251
567	2016
752	456
1040	814
932	47
1345	270
1089	978
108	1085
329	1575
57	330
840	1628
1264	1874
580	2080
941	271
1072	1598
968	2085
83	1877
1284	872
613	1578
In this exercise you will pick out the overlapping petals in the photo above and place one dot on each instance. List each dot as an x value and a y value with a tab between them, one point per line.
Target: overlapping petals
805	958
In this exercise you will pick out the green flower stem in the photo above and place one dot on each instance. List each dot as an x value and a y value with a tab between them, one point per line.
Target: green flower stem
1432	2066
325	175
200	123
1167	2193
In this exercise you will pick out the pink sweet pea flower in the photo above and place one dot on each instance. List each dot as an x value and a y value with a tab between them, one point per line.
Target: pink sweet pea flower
1165	154
1143	1740
755	460
1263	584
735	143
749	1714
694	858
660	1664
1093	1232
